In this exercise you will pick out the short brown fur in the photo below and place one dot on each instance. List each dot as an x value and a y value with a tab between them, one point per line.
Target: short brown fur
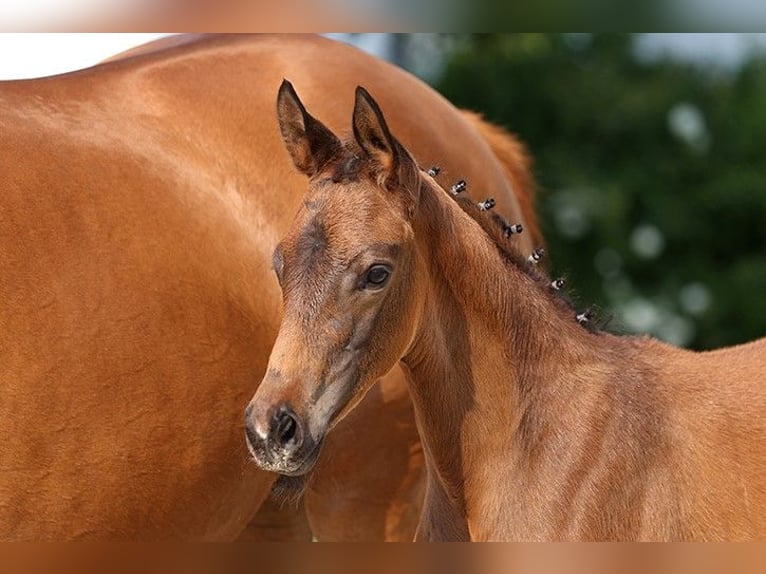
533	427
140	202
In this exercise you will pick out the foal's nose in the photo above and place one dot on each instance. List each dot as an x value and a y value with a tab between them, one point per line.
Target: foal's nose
274	434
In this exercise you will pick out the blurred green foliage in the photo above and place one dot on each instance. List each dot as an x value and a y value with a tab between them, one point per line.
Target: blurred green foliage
652	176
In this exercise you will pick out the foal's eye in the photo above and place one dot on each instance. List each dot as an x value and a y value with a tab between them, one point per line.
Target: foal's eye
377	275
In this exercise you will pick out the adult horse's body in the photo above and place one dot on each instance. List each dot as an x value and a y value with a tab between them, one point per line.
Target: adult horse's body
140	202
533	426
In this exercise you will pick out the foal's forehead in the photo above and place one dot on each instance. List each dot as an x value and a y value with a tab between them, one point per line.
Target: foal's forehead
342	219
352	202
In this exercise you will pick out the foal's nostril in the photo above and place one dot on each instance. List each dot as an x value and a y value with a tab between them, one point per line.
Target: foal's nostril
285	426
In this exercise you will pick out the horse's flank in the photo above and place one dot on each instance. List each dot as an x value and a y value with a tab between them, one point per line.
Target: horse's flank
142	200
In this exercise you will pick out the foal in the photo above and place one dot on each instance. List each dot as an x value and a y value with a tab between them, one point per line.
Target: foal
534	427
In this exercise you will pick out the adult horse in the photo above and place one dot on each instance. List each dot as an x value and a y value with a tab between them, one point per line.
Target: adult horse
140	202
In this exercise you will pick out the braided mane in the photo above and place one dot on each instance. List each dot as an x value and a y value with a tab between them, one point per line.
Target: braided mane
501	234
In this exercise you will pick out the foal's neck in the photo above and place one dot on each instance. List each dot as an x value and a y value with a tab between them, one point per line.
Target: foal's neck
491	345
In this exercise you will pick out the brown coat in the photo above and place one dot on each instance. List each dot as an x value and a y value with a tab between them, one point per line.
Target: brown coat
140	202
533	427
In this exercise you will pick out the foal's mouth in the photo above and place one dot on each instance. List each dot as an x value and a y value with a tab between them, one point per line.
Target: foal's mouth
306	465
290	486
299	464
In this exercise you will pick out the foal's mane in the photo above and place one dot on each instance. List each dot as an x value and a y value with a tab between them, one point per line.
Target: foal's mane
496	228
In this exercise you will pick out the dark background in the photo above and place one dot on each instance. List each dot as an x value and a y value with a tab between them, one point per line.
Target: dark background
651	172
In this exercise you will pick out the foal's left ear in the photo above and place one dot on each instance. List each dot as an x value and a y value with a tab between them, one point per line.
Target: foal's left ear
392	160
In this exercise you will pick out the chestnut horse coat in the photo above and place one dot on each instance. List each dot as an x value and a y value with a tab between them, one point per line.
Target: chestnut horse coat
140	202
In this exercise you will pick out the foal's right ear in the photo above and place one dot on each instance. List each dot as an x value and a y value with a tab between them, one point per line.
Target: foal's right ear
310	143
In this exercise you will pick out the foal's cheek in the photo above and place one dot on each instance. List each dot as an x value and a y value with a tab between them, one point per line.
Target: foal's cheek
402	316
383	348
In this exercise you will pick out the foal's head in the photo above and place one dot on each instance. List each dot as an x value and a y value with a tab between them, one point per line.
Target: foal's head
351	280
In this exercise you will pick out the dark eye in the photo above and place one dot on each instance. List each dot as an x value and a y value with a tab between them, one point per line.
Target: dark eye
377	275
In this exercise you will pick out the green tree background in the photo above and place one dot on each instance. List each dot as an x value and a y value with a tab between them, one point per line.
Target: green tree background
652	176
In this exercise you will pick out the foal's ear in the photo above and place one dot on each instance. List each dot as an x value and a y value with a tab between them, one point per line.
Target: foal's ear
310	143
392	161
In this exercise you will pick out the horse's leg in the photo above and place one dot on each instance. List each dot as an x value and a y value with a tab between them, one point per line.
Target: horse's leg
275	522
370	479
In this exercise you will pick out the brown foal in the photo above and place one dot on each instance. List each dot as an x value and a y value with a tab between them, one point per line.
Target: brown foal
534	427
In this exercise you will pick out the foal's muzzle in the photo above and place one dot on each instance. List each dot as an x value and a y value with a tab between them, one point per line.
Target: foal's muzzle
278	440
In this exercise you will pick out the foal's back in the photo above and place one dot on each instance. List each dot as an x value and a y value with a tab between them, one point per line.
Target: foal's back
717	415
720	401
